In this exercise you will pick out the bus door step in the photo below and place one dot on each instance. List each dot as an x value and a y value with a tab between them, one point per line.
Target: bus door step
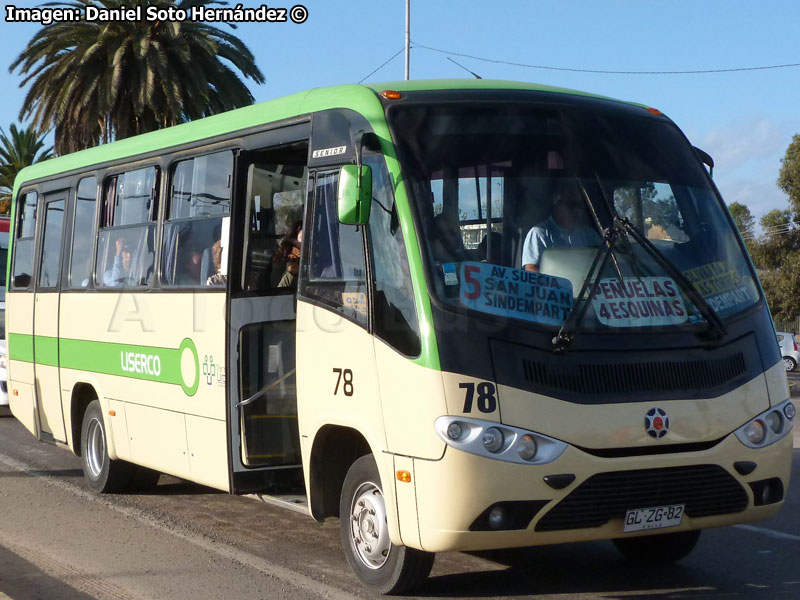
295	502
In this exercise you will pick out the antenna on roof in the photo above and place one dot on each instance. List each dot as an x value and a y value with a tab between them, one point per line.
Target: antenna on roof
473	73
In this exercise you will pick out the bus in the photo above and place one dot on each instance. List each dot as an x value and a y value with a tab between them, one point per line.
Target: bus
5	227
458	315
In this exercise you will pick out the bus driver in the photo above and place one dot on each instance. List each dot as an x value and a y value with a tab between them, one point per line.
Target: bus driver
562	228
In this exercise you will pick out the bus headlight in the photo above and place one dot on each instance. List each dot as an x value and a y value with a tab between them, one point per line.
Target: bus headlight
493	440
774	420
498	441
755	432
768	427
526	447
454	430
789	410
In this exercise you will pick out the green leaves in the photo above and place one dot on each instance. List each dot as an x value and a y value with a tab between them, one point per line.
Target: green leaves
18	149
95	82
789	177
776	253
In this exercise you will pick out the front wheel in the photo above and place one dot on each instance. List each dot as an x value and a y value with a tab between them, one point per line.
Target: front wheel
789	363
665	548
101	473
387	568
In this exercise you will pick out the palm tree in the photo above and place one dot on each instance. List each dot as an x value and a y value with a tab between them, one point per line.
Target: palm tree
93	82
21	148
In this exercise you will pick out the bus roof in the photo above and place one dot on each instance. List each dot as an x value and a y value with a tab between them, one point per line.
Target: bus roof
362	98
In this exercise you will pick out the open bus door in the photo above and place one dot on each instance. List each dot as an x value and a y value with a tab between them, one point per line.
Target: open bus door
270	188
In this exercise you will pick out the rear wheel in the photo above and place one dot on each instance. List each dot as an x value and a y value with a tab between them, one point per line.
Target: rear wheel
789	363
658	549
387	568
101	473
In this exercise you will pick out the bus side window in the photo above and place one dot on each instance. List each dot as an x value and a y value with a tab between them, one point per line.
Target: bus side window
394	309
276	200
50	258
199	204
83	235
336	271
23	245
125	251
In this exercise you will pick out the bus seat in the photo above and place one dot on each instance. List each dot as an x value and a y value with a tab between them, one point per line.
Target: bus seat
569	262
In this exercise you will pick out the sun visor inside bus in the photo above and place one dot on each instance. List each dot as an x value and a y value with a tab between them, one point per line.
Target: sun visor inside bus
333	135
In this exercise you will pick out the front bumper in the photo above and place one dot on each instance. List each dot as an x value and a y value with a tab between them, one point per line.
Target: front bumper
454	492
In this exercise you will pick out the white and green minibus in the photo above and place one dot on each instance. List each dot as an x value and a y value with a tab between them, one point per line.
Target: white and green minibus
458	315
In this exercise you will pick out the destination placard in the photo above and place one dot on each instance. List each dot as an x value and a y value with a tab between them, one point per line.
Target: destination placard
722	286
638	302
514	293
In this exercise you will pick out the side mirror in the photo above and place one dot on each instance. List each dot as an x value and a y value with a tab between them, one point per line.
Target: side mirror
706	159
355	194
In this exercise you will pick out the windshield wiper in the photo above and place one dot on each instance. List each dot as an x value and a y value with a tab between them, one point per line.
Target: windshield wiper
716	328
622	228
569	330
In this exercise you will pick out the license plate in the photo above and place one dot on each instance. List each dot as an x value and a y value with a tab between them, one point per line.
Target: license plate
655	517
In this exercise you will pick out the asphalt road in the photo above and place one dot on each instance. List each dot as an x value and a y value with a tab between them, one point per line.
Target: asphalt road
186	541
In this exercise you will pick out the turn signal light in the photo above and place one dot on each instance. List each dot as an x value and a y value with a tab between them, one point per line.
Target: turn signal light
112	413
404	476
391	94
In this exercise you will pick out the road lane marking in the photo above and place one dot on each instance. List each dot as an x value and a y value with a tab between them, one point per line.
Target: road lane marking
770	533
290	577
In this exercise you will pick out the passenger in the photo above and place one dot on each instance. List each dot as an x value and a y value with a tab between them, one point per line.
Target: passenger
217	278
562	228
190	273
481	252
288	253
120	272
448	245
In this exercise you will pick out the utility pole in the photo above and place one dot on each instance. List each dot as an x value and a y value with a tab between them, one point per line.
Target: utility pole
408	38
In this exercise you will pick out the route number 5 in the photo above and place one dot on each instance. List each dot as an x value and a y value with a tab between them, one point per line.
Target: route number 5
469	271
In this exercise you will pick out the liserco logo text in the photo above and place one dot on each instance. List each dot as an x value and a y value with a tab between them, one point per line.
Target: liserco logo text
146	364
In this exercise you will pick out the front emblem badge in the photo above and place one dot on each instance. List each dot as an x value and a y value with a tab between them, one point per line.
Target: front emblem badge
656	423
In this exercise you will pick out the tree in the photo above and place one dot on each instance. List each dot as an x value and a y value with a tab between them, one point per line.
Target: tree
18	149
782	288
744	219
789	175
97	81
781	238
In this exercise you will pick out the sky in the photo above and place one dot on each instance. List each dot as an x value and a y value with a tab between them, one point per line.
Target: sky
744	119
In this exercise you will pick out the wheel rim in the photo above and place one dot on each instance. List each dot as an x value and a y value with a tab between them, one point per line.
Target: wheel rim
788	364
95	448
369	533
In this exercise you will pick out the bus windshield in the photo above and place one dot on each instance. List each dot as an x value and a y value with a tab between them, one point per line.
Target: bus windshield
517	202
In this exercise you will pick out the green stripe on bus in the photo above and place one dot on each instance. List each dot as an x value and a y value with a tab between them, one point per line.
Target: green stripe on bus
20	347
148	363
45	351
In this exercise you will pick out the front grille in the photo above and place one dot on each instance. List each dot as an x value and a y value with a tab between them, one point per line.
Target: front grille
635	377
705	490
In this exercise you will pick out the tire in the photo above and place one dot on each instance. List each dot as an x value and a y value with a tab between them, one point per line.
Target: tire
383	566
658	549
102	474
789	363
